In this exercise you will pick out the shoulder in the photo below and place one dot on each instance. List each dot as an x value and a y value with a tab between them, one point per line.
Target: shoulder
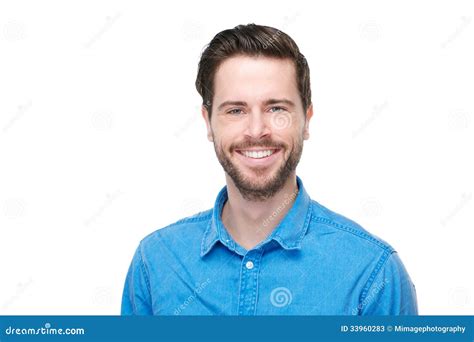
353	249
345	229
184	231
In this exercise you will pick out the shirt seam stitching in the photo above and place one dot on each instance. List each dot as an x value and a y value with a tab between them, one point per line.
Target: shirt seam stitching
380	265
204	249
192	219
144	271
302	234
257	281
355	232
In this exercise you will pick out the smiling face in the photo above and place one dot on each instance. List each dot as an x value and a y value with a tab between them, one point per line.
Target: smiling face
257	123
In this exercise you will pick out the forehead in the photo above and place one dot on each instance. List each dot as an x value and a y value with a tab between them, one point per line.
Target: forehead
245	77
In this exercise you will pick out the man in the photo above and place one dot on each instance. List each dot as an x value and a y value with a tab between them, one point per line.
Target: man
265	248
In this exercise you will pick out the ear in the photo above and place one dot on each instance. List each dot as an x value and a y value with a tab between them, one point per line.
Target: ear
309	115
205	116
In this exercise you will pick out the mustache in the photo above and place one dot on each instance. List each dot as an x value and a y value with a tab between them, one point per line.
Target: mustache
249	143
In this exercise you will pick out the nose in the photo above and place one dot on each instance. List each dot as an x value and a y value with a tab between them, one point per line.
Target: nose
258	126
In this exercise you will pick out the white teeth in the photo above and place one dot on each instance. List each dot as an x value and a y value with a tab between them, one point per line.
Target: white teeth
258	154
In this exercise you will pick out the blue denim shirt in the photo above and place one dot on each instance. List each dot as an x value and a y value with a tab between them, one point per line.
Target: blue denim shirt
315	262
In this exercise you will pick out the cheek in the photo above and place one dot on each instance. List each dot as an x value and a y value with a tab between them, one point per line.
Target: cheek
295	133
223	142
227	135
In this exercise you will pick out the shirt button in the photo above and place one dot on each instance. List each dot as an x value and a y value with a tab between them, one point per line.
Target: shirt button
249	265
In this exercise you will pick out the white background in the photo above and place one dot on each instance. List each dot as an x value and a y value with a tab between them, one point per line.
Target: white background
102	142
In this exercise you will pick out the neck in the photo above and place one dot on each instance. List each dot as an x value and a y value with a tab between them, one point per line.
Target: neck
250	222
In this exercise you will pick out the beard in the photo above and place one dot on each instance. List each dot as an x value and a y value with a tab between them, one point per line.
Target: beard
260	187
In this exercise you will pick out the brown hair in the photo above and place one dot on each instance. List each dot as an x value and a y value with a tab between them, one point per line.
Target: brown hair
250	40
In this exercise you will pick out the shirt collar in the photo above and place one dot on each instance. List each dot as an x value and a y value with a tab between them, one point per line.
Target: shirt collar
289	233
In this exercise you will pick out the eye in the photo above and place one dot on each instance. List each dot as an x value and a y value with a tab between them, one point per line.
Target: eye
276	109
235	111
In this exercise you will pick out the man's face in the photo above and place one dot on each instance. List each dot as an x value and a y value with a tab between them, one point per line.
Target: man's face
257	123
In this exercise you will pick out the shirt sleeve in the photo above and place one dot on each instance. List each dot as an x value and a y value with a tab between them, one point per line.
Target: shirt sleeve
136	298
391	292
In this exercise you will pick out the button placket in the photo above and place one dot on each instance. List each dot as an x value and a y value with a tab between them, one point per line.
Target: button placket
249	282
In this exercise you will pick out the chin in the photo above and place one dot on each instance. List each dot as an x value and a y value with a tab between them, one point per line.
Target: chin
259	181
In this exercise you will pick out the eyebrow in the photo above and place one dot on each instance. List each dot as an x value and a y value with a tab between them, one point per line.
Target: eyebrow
244	104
